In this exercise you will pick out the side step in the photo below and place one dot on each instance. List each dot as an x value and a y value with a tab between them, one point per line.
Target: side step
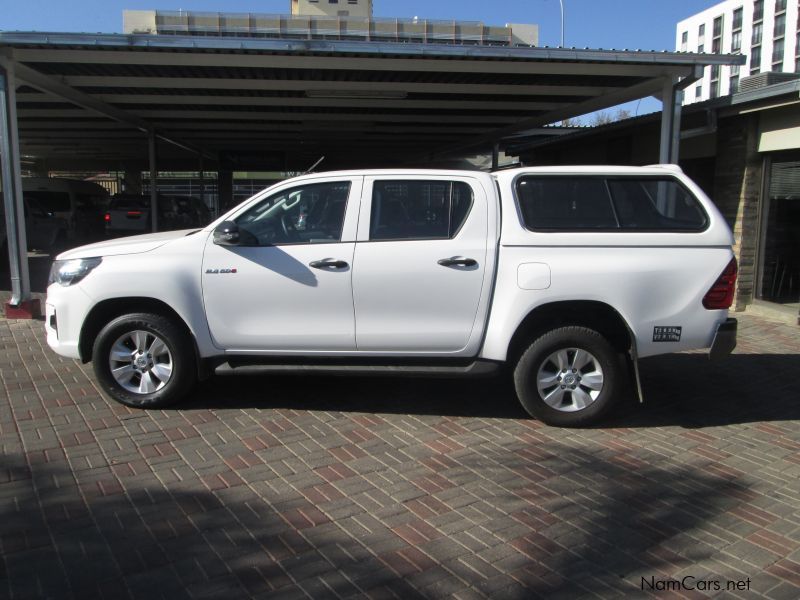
479	368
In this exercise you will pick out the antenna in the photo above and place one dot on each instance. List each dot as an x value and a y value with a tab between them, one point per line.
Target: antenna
314	166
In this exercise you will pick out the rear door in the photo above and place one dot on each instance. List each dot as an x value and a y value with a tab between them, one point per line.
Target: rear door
419	264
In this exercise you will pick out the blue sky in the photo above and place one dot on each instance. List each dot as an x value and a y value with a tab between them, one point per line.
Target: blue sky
631	24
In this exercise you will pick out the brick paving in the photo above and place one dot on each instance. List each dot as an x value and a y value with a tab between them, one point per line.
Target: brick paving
289	487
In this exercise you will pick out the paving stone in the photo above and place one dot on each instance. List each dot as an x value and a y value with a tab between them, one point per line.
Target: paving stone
240	495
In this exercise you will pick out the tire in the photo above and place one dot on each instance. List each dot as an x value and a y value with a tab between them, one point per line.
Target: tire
550	390
162	368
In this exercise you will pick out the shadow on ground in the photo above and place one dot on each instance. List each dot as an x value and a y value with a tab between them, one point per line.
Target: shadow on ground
62	538
686	390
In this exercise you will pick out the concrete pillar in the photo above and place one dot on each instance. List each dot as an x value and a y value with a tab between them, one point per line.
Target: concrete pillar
20	305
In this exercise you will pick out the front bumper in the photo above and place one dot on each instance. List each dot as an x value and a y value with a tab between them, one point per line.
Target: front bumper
724	340
65	310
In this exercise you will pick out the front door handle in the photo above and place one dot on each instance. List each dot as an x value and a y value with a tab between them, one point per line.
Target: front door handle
328	263
456	261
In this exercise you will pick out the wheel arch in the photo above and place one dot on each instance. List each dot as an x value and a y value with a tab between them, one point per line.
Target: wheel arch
599	316
107	310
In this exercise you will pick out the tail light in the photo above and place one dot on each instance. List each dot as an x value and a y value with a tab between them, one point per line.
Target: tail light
720	296
107	217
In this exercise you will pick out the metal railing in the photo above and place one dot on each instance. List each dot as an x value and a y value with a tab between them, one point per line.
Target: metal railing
339	28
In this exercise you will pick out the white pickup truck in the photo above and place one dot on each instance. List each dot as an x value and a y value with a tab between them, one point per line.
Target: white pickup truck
565	275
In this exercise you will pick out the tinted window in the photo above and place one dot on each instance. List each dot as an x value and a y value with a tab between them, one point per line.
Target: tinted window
417	210
596	203
51	201
310	214
568	203
656	204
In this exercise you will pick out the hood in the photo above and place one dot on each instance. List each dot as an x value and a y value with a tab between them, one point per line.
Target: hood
134	244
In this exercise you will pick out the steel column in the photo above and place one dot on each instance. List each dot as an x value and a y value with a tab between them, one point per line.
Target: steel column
671	98
12	188
151	150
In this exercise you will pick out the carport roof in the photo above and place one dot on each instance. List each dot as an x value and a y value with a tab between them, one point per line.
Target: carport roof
281	104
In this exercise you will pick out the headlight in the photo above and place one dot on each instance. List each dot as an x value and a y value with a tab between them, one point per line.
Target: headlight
67	272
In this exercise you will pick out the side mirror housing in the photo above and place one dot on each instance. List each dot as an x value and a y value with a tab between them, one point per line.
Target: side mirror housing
226	234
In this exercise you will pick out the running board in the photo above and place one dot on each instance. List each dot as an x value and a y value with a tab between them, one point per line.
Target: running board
479	368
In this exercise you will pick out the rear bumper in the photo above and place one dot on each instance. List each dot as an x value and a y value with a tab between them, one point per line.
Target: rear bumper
724	340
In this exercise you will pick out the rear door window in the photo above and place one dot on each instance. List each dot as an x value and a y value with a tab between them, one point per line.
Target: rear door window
418	209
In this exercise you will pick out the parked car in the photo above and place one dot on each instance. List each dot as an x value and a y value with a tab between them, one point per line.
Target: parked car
43	230
79	203
562	274
130	214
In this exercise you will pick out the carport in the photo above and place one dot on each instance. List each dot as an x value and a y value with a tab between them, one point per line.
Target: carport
173	102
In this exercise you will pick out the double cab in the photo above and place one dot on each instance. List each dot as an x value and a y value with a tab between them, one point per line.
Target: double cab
561	277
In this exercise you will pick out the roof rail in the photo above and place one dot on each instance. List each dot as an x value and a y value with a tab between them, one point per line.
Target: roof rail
666	167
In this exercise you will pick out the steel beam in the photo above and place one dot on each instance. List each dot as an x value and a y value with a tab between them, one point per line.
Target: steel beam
224	83
48	84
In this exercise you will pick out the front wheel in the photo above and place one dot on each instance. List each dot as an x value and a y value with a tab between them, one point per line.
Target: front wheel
144	361
569	377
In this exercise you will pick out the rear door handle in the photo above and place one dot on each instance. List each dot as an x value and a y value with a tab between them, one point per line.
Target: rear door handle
460	262
328	263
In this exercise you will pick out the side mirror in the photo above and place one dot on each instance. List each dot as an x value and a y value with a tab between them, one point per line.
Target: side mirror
226	234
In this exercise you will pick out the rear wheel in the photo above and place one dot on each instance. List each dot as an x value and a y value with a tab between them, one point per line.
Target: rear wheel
569	377
144	360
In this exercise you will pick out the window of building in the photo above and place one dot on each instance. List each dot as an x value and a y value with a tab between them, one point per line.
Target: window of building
698	91
758	10
716	42
733	84
598	203
352	1
780	6
758	31
684	41
777	55
755	60
333	1
701	48
418	210
718	26
736	41
701	34
737	19
780	26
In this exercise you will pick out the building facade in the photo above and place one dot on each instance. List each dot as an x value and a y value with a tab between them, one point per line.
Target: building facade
766	31
332	8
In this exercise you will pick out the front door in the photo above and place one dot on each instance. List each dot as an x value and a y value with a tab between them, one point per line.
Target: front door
420	263
287	287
